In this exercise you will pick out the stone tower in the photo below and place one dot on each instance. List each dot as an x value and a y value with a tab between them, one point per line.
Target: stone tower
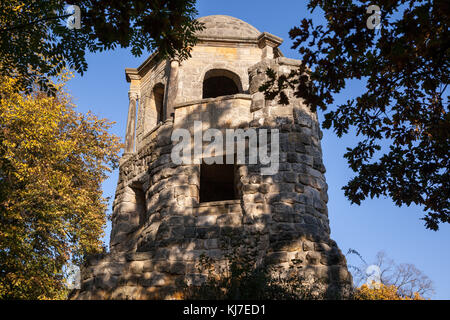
165	216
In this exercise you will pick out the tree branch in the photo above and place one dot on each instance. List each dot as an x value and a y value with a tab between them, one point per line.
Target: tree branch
34	22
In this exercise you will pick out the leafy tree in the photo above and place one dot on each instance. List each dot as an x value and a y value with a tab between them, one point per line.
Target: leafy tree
407	280
405	67
52	163
243	277
35	43
382	292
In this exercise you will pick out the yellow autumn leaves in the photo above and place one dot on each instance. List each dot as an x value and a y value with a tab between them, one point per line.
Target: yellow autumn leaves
52	163
382	292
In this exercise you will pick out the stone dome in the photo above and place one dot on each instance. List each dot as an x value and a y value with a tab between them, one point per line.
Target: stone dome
221	26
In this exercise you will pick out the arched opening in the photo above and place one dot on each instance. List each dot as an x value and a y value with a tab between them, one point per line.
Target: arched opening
220	82
158	98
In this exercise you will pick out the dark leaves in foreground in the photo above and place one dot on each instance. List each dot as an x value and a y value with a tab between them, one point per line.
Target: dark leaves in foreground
35	43
402	115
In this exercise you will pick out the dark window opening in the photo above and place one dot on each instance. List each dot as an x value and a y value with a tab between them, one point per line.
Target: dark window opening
217	182
219	86
139	216
158	94
220	82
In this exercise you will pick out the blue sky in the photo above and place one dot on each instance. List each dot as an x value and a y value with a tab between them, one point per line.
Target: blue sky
375	225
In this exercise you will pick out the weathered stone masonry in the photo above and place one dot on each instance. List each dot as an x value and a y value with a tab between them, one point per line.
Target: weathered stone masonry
159	228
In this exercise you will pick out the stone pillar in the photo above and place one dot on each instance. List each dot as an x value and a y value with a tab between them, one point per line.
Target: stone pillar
267	42
131	122
172	88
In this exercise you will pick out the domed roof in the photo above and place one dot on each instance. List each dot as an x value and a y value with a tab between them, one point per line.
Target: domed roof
221	26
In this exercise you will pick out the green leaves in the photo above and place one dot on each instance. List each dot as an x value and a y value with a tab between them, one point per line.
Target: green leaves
35	45
52	163
405	65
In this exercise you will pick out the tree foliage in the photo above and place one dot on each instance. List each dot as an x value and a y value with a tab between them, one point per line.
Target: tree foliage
242	280
406	278
52	163
405	68
241	275
35	43
382	292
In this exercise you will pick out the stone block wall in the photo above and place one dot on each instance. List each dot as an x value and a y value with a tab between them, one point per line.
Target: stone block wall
160	229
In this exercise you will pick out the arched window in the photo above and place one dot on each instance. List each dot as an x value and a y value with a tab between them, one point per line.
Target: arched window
158	98
220	82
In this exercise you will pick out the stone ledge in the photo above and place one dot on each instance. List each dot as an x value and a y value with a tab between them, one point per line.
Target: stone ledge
218	203
288	61
217	208
252	40
241	96
155	128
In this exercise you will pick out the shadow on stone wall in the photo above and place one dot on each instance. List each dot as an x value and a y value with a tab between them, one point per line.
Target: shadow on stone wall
281	219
